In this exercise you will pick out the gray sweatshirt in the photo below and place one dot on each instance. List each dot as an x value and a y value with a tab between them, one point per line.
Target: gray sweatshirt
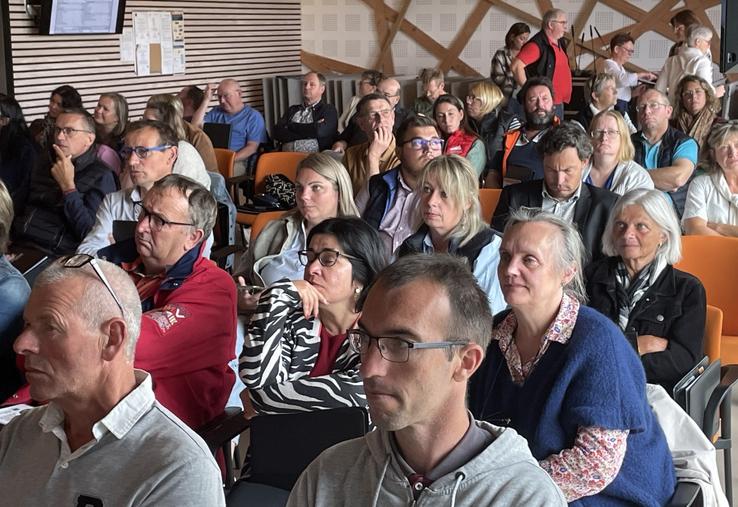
365	472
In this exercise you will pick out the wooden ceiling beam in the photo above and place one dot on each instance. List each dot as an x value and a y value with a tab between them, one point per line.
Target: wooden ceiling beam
384	60
464	34
390	36
327	65
427	42
519	14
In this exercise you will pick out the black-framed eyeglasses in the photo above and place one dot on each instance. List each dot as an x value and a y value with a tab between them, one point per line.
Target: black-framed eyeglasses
327	257
141	151
156	221
393	349
79	260
68	131
418	143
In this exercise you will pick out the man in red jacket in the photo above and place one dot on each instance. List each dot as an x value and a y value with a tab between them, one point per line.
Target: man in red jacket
188	329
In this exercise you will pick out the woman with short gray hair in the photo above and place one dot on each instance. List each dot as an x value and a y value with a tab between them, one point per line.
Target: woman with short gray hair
561	375
661	310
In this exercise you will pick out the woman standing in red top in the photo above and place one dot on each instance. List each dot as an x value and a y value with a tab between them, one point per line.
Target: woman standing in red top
448	111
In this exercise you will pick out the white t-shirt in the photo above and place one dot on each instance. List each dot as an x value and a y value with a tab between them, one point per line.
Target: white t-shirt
710	199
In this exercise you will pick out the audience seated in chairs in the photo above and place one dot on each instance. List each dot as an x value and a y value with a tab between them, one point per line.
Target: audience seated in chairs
600	94
563	377
486	118
66	190
322	191
310	126
296	356
17	151
451	222
376	118
696	109
668	154
192	98
14	291
433	86
367	84
188	330
389	200
188	161
661	310
388	87
102	439
611	165
247	124
62	98
168	108
519	158
111	119
149	153
391	89
712	199
421	336
459	138
565	149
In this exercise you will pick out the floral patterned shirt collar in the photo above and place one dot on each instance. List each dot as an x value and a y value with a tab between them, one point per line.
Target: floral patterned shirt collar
559	331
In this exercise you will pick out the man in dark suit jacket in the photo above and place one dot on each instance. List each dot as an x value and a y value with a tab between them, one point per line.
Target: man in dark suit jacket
566	150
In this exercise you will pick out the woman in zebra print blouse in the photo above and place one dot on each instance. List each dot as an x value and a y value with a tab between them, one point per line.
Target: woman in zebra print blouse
296	356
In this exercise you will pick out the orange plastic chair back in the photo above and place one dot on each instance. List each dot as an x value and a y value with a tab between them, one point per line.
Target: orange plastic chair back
713	332
226	159
488	199
276	162
714	260
261	220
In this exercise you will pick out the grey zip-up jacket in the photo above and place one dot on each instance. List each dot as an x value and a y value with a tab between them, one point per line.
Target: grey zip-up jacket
365	472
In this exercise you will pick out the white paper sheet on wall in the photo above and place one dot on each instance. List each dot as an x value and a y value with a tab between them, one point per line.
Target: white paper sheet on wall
143	63
165	30
127	46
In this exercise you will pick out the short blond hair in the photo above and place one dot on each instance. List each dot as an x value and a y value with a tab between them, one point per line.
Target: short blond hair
488	93
456	176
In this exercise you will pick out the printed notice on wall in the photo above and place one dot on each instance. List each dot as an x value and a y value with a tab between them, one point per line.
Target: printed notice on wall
127	46
178	42
158	38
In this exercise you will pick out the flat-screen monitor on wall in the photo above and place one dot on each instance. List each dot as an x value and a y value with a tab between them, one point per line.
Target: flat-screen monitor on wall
729	36
65	17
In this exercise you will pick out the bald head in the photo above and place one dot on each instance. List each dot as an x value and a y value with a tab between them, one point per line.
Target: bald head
390	88
229	96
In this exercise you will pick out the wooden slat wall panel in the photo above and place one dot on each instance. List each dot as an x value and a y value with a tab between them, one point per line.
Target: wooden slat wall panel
245	40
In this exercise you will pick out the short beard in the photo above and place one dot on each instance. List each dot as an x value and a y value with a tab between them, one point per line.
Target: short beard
533	120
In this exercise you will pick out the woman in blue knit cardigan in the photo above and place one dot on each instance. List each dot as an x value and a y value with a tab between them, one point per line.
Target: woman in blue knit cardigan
564	376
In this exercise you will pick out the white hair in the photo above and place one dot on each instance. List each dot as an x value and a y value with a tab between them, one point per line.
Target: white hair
659	208
695	32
